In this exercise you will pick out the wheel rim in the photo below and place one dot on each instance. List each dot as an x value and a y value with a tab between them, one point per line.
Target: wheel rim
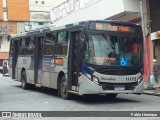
63	88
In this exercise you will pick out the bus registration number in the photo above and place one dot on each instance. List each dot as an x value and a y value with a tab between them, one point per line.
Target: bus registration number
119	88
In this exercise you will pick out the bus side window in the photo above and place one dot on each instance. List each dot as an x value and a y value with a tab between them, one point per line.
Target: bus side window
11	48
22	48
62	45
30	43
49	46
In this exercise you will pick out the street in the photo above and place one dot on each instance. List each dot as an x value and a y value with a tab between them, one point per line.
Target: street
14	98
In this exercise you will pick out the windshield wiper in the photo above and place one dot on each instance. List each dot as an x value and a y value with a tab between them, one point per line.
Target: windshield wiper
107	38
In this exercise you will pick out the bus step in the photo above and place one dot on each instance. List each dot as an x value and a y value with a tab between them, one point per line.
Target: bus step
38	85
71	91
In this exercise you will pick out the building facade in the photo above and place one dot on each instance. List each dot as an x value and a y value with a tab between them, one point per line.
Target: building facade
18	16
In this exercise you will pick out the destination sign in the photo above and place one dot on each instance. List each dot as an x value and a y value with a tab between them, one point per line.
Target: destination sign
112	27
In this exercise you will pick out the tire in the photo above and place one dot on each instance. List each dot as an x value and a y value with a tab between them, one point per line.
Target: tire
24	81
63	89
111	96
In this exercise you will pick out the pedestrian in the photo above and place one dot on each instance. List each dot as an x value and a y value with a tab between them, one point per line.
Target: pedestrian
5	69
155	69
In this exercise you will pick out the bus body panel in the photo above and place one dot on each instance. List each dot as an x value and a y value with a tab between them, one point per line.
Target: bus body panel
39	77
26	63
46	79
86	86
51	71
19	70
30	76
53	78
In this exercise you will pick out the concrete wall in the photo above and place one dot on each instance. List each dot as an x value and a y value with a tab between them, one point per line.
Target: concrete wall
99	10
39	9
5	46
36	5
134	5
20	27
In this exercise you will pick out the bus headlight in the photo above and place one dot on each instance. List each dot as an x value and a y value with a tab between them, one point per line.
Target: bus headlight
92	78
88	76
95	80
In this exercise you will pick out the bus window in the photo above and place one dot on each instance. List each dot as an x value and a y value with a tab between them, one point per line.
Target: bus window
62	36
22	48
62	45
49	46
23	43
30	46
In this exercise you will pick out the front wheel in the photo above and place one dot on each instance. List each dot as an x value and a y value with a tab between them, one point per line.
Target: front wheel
63	88
111	96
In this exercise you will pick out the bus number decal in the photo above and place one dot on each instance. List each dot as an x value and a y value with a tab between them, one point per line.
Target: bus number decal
131	79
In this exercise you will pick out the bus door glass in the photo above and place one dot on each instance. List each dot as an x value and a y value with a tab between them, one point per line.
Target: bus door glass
48	54
74	62
14	57
38	59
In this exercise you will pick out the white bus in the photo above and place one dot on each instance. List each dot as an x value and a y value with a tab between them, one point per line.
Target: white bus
91	57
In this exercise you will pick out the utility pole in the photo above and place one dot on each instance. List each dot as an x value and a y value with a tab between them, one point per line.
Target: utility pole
144	42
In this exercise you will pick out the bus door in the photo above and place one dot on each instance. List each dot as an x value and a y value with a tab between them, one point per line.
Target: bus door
74	58
38	61
14	57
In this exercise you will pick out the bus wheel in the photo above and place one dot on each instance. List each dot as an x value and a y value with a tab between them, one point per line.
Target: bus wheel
111	96
63	88
24	80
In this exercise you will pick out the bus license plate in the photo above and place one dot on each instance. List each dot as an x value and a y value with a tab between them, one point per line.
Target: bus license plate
119	88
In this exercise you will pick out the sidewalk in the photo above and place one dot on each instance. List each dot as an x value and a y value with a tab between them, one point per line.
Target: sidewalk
152	91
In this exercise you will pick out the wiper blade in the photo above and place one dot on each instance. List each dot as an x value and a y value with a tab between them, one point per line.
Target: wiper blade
107	38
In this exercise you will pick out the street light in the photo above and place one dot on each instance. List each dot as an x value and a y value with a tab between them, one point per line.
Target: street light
144	40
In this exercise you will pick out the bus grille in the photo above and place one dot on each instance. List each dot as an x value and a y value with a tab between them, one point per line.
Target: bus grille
128	86
118	72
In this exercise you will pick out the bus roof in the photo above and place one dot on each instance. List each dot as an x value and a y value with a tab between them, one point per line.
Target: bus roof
67	26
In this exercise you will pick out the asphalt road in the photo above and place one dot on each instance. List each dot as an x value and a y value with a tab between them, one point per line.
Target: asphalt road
14	98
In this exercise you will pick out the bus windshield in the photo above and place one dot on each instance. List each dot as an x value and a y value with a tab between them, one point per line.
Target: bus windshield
110	50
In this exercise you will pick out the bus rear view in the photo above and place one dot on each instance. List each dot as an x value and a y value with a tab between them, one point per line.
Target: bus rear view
112	59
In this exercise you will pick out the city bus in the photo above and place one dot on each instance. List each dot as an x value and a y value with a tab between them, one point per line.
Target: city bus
89	57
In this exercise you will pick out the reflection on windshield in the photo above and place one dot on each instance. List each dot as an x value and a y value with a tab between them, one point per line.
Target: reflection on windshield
114	50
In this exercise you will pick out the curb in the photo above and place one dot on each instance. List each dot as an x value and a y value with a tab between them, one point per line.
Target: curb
151	93
157	94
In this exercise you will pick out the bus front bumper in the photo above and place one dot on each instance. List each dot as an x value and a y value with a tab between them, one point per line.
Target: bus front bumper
86	86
